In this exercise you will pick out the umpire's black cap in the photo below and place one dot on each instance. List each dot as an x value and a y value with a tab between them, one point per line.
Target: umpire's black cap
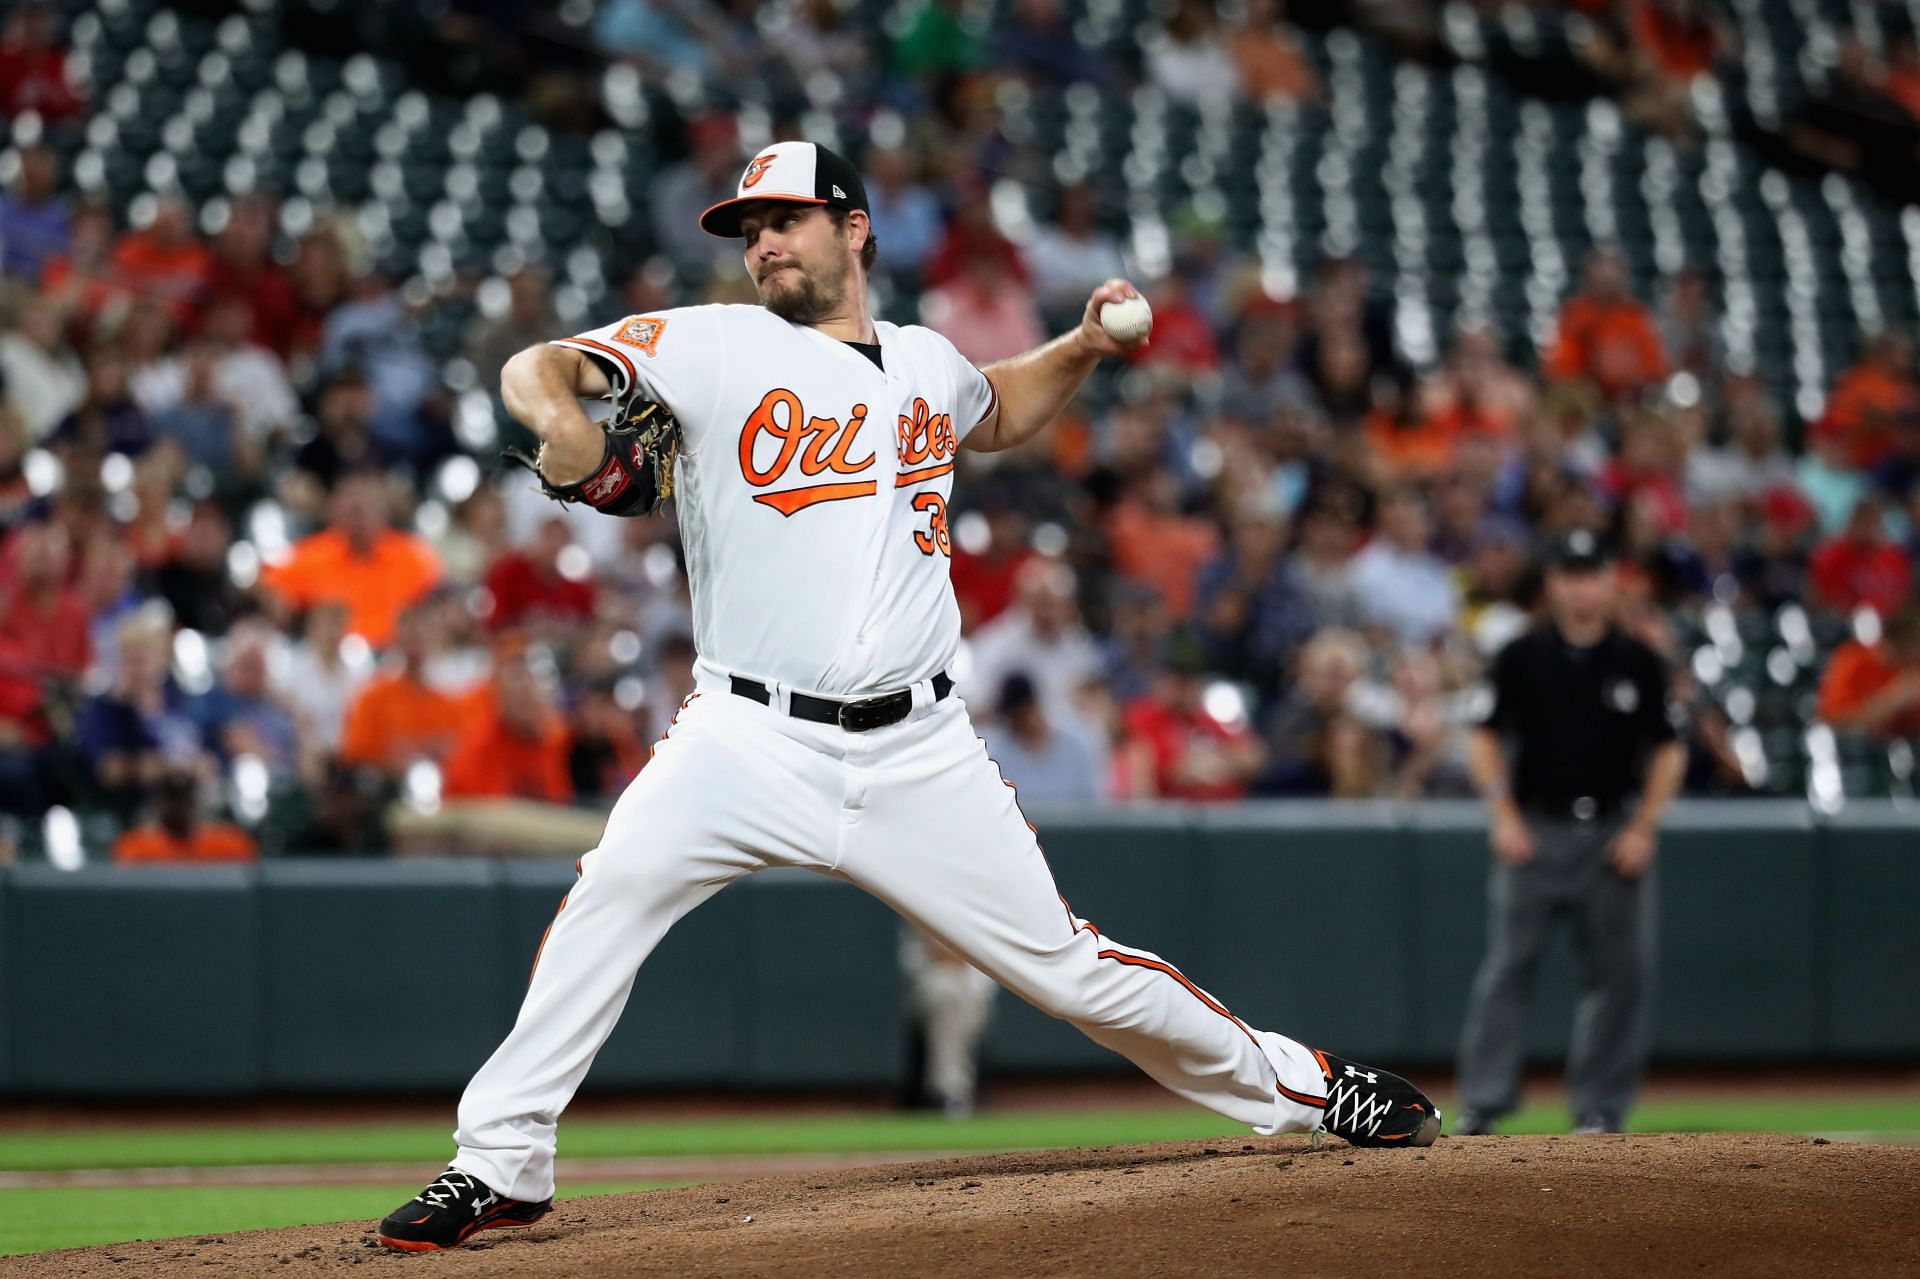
1578	551
797	172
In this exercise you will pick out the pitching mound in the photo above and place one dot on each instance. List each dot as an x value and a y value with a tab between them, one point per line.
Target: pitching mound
1720	1204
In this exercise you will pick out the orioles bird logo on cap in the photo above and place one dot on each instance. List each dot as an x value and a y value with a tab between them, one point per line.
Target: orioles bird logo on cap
756	170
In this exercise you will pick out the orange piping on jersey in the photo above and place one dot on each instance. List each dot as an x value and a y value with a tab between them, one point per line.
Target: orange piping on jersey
993	400
632	376
1078	926
542	949
788	501
905	478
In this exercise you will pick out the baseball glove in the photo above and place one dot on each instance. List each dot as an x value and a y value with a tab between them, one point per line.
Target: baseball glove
635	475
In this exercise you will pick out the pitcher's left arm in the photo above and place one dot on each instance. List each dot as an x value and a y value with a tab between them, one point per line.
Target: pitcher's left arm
1034	386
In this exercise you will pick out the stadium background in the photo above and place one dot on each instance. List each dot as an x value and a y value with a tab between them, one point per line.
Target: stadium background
1431	283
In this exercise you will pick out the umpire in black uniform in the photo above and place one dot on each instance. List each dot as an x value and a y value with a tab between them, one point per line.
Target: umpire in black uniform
1576	756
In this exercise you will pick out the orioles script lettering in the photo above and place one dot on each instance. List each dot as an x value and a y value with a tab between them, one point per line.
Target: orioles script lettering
819	444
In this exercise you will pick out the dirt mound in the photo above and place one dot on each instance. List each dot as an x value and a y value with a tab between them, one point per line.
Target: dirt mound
1713	1204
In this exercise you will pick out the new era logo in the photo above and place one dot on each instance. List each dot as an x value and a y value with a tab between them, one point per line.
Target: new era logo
838	194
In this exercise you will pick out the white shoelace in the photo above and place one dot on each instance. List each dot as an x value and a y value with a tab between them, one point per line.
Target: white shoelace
450	1186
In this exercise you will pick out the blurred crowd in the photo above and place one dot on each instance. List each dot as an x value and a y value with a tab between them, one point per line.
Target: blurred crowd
257	587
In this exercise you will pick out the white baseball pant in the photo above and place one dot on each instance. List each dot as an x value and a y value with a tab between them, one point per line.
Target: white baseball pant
915	814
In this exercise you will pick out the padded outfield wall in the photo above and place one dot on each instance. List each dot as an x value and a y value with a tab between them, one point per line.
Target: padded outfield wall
1785	938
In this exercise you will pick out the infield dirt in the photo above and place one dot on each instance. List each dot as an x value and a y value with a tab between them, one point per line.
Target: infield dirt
1719	1204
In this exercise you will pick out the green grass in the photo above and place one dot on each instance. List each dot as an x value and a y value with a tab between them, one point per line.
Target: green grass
429	1145
36	1220
31	1220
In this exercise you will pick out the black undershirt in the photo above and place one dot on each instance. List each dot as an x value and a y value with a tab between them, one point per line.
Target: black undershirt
872	351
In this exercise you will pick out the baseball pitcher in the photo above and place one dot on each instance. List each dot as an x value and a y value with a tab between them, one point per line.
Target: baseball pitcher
811	450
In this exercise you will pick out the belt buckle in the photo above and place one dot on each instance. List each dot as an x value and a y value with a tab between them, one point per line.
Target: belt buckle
1585	808
851	719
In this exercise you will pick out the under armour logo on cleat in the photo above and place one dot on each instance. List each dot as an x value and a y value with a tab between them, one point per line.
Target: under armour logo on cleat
1354	1072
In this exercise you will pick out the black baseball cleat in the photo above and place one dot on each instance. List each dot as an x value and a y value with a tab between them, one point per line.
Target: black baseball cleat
450	1211
1369	1107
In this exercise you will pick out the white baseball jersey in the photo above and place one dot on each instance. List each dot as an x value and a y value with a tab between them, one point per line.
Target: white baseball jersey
812	488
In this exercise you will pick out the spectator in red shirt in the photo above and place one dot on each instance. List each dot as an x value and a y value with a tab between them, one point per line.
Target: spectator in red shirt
1172	746
165	262
517	750
1606	336
983	581
970	236
242	266
1182	335
320	280
986	311
42	616
33	69
541	586
23	734
1650	468
1862	565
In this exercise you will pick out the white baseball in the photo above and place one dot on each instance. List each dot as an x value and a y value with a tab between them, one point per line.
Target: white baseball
1127	320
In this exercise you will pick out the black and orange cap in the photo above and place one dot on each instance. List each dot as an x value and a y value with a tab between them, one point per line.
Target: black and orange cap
796	172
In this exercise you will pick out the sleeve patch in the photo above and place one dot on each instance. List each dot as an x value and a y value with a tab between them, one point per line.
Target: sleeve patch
642	332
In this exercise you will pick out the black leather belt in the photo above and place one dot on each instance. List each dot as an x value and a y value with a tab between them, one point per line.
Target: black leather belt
859	716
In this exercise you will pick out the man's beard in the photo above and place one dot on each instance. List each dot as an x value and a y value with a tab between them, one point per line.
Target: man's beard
807	302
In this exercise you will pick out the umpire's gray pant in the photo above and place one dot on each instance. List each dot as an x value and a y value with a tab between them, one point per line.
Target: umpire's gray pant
1614	926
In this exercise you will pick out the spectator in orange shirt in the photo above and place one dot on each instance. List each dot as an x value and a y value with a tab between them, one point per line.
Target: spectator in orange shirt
398	717
1475	391
1154	543
1875	688
1679	37
177	834
1901	81
361	561
1874	400
518	750
1606	336
165	262
1272	68
1408	446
